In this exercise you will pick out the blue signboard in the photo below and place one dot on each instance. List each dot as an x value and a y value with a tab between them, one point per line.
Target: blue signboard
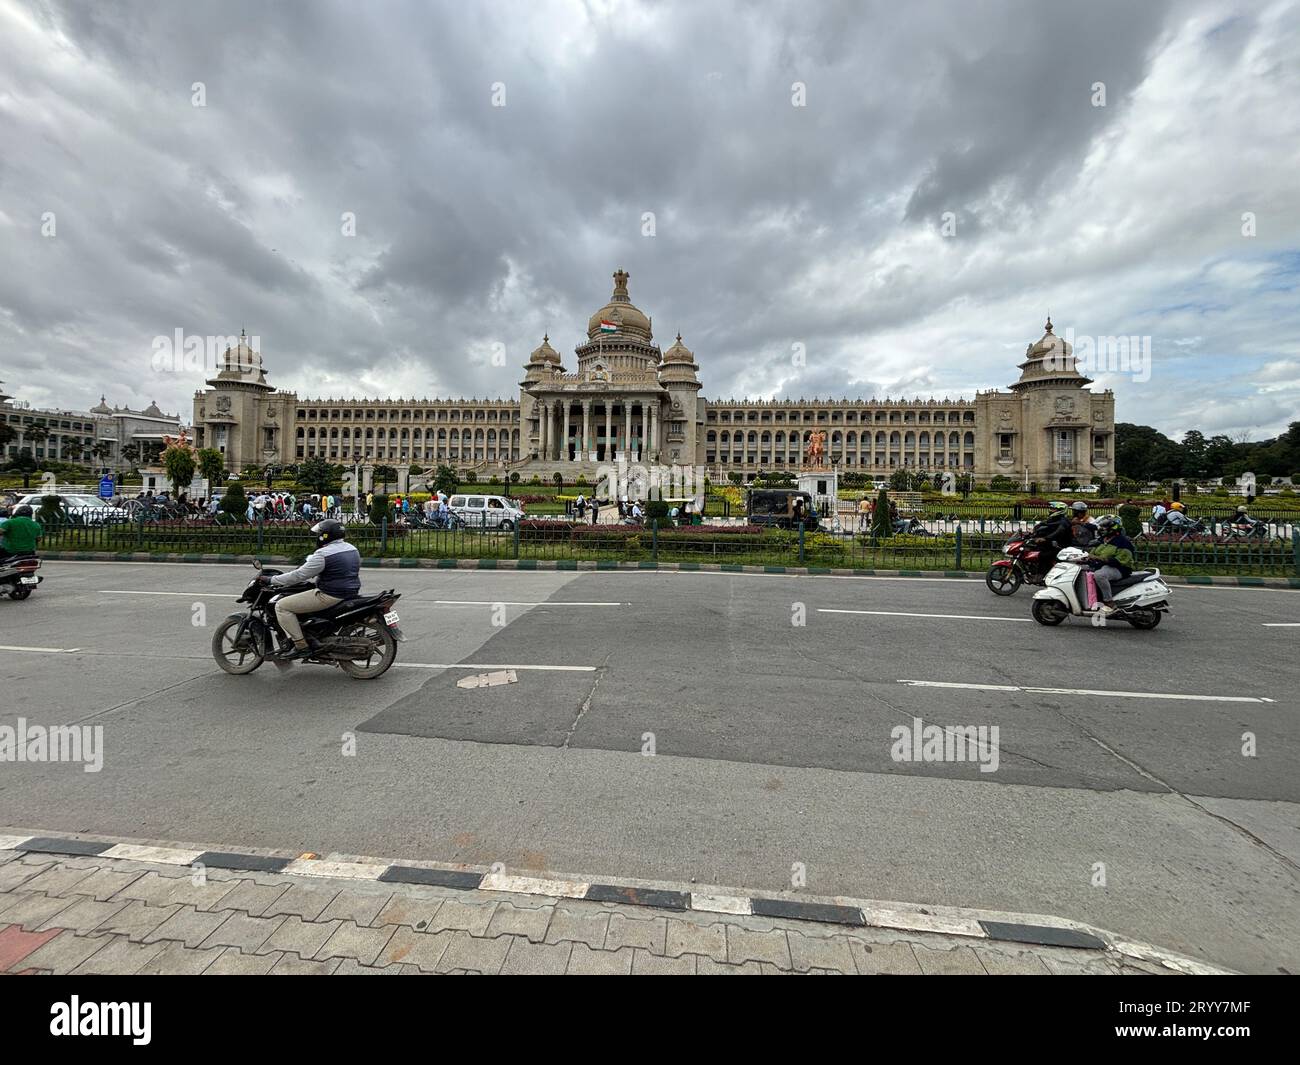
106	488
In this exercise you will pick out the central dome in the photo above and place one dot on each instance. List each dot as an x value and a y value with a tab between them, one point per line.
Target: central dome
619	318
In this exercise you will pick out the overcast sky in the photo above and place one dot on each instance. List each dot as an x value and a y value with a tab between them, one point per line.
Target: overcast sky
948	180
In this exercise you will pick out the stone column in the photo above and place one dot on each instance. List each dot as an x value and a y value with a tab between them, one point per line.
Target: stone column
627	429
609	438
644	436
543	437
654	426
583	451
564	440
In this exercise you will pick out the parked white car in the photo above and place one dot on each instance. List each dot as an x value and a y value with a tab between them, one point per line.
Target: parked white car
486	512
88	509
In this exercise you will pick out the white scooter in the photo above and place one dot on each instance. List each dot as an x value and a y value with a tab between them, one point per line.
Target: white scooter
1139	598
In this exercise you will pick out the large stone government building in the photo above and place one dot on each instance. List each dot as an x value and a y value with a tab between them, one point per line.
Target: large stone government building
628	399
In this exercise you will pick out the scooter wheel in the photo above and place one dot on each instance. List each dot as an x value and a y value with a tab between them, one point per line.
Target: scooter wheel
1148	619
1003	580
1048	612
20	593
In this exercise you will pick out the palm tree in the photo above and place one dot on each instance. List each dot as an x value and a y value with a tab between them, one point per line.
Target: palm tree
7	436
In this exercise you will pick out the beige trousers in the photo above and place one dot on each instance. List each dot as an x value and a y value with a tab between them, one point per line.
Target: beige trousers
288	609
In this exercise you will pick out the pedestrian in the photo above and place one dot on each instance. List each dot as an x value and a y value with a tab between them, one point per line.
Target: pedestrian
580	506
864	514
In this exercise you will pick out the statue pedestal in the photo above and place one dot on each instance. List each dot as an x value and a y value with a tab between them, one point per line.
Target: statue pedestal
823	486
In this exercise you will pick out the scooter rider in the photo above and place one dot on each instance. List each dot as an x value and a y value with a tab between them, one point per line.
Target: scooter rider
19	533
335	566
1113	558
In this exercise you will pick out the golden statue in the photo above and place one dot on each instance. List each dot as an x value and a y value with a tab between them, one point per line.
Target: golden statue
815	453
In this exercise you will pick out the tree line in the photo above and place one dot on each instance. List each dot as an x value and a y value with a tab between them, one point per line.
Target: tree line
1145	454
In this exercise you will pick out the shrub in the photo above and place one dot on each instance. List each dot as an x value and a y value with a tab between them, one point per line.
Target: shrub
378	508
1131	518
1002	484
234	503
881	524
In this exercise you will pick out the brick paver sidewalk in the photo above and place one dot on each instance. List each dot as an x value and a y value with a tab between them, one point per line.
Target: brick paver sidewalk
62	914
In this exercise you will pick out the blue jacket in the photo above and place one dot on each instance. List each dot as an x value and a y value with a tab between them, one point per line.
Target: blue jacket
336	569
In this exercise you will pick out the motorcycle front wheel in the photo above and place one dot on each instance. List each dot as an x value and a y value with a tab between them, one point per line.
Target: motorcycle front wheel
1003	580
235	652
1048	612
383	655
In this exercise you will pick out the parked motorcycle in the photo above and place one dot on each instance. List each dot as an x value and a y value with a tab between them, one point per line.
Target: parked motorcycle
18	576
1140	598
358	635
1023	565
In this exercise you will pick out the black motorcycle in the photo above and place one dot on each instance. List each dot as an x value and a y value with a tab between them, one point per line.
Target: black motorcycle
18	577
358	635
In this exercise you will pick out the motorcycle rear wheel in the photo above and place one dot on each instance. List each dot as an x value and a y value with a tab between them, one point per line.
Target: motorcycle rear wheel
1003	580
20	593
238	660
1048	612
377	664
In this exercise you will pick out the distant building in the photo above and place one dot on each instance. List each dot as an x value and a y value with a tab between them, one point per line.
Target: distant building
95	437
627	398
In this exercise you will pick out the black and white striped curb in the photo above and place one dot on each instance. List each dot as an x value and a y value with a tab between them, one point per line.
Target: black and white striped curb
612	564
1031	930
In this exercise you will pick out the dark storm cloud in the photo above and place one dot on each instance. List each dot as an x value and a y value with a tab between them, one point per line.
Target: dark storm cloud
775	225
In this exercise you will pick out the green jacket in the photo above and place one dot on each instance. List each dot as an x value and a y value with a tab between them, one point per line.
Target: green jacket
20	535
1118	551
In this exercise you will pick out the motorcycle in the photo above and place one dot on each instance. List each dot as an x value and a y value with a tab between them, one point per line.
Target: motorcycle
358	635
1024	565
18	576
1250	529
1140	598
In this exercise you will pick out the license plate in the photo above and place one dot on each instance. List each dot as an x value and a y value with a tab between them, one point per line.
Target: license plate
391	618
28	580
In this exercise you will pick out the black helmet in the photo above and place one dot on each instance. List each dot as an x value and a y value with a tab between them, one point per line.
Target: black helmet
329	530
1108	525
1079	507
23	511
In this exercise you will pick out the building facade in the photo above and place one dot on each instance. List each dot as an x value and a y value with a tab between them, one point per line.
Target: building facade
627	399
95	437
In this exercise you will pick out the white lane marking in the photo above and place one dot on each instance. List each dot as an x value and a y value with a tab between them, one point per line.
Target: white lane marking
721	904
203	595
338	870
531	885
507	602
1282	624
158	855
40	650
1086	691
488	665
907	614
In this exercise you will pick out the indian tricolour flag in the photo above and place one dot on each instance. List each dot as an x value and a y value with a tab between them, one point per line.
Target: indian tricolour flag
606	326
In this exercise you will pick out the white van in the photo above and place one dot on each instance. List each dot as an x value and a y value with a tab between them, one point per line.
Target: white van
486	512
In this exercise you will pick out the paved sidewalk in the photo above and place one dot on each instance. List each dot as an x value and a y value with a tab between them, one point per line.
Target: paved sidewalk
94	914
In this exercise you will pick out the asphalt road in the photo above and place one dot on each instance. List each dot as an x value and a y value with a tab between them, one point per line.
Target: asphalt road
772	739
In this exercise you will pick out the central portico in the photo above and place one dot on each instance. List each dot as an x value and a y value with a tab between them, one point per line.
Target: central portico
627	400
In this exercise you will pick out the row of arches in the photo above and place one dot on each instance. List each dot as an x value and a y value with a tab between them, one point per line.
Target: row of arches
954	441
456	436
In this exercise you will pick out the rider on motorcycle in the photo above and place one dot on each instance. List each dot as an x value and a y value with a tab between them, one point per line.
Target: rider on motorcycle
335	566
1113	559
1051	534
19	533
1082	531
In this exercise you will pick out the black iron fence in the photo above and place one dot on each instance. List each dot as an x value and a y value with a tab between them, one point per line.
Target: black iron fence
955	548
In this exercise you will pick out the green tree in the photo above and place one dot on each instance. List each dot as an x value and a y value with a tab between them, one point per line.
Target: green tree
131	454
1195	466
882	526
212	466
8	434
234	504
378	507
26	465
319	476
445	480
900	481
179	463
